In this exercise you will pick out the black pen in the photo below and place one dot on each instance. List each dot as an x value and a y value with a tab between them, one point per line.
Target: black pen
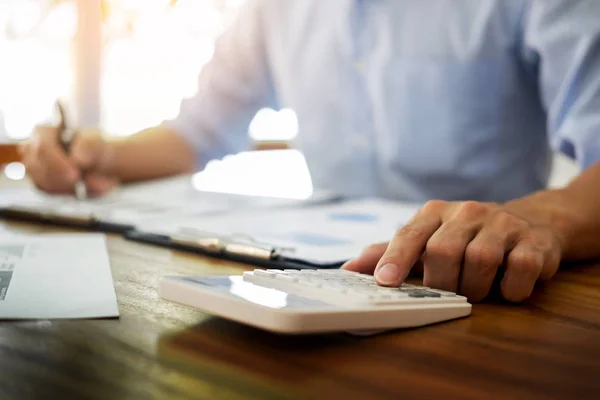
67	134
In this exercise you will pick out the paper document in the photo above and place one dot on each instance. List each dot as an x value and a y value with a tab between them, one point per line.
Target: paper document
56	276
156	201
321	234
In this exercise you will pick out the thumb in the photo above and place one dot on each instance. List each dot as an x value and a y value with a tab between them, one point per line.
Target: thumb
367	261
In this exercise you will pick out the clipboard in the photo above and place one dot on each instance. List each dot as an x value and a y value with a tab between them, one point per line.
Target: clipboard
49	216
319	236
239	248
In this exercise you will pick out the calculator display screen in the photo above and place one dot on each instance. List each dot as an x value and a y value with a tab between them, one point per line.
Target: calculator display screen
267	297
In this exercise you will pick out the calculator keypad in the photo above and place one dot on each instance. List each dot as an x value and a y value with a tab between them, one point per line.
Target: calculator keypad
346	287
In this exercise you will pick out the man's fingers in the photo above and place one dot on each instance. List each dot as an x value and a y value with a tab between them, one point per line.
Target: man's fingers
552	258
534	257
47	163
462	246
58	171
43	176
82	152
42	180
524	266
86	150
486	253
46	133
405	249
444	255
367	261
483	256
98	184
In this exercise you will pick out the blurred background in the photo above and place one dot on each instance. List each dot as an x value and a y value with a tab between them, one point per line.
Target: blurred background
123	65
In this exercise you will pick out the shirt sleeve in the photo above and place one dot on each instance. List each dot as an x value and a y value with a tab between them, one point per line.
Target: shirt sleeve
232	87
561	39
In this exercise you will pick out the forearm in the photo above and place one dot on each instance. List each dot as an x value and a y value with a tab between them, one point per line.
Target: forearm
574	212
152	153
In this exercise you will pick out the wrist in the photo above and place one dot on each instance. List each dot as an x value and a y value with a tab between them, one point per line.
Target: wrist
108	162
552	209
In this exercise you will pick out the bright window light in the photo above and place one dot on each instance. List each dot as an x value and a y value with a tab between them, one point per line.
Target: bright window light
269	124
153	52
275	173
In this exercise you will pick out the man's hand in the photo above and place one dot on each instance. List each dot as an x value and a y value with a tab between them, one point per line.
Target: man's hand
54	171
461	246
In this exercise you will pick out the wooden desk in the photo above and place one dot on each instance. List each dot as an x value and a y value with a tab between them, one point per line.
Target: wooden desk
548	348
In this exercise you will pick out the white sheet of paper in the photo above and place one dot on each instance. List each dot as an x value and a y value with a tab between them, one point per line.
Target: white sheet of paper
153	201
56	276
322	234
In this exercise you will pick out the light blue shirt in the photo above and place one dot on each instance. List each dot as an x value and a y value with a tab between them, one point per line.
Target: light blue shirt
410	99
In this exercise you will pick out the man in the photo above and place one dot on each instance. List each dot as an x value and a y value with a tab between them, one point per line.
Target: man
455	101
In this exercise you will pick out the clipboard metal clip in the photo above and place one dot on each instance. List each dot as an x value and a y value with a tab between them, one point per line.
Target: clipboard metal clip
237	244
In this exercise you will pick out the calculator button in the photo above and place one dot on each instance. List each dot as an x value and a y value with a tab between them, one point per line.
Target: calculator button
328	271
385	289
338	272
368	278
285	277
310	283
338	289
268	274
422	293
416	294
357	294
398	295
443	293
336	286
410	285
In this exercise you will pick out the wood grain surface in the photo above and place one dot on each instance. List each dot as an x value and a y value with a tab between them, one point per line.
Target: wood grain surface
546	348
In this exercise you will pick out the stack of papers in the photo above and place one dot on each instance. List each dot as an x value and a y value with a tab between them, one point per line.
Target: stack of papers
321	230
156	201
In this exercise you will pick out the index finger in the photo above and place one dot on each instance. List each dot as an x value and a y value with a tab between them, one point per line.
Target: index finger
405	249
367	260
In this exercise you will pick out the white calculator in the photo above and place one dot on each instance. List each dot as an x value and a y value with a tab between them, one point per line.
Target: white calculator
314	301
